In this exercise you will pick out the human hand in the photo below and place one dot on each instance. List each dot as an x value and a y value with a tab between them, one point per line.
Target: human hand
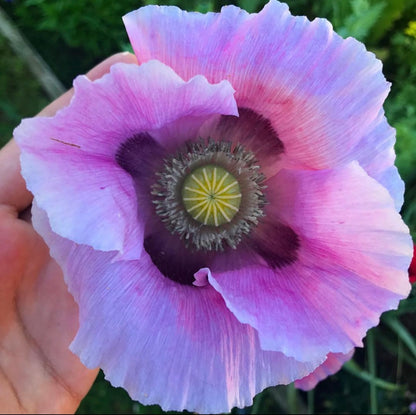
38	317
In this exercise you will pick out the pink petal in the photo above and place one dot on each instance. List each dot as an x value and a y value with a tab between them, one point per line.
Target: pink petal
170	344
322	94
351	215
69	161
350	267
332	364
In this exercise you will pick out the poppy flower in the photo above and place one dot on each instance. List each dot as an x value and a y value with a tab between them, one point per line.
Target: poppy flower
226	212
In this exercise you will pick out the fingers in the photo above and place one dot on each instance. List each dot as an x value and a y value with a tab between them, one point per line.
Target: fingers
104	67
13	190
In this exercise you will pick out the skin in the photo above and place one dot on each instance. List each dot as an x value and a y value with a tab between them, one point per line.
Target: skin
38	317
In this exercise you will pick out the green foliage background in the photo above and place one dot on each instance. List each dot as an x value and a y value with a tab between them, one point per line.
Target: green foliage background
72	36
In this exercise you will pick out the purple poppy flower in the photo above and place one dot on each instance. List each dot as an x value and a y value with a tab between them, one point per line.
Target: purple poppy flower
226	213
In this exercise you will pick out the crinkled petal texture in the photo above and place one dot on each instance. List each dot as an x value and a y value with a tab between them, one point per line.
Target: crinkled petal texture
322	94
351	265
69	160
173	345
332	364
304	286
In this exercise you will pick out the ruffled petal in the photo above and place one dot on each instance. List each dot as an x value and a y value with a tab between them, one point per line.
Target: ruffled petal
88	198
376	155
354	251
347	213
323	94
69	161
332	364
176	346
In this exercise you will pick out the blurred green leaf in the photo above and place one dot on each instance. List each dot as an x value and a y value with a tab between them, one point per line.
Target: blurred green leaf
391	12
250	5
353	368
205	6
363	17
394	323
391	346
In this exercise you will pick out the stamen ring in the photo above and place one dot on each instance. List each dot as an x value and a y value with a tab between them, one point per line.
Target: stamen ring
210	194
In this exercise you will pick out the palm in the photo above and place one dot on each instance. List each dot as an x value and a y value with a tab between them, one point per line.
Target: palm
38	317
38	320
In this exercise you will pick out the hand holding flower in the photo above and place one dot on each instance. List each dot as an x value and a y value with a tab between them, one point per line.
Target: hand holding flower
38	317
226	212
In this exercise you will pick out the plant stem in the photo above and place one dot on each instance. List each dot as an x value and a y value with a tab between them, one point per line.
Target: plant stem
292	399
40	69
311	401
255	409
371	356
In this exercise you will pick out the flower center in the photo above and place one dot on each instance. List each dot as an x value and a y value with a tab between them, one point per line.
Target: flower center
211	195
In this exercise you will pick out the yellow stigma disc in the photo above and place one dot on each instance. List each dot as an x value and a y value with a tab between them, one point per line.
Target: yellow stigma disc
211	195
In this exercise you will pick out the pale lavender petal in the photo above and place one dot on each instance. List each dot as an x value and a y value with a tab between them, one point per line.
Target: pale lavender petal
204	330
391	180
332	364
98	205
351	265
94	206
376	155
322	94
177	346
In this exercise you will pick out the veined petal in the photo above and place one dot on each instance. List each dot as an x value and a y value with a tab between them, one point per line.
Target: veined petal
350	267
376	155
322	94
315	252
69	160
332	364
351	215
199	358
